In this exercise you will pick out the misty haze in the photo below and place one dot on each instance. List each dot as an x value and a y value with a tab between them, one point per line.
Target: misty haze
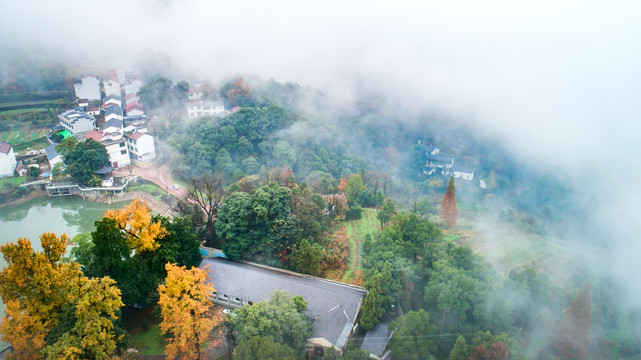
281	180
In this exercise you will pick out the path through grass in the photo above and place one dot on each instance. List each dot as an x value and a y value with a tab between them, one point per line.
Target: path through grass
356	231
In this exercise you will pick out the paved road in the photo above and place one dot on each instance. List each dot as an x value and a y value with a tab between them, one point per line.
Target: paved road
160	176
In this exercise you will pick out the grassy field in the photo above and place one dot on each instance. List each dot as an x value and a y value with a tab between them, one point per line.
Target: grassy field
152	189
507	247
11	181
356	230
149	341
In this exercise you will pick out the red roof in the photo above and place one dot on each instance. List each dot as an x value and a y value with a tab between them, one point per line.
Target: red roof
134	104
93	109
137	135
94	134
195	89
5	148
130	95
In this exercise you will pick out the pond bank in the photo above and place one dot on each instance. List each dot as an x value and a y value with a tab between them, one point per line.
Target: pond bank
153	203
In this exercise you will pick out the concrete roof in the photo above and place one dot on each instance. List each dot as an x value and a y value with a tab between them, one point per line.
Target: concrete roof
329	302
376	339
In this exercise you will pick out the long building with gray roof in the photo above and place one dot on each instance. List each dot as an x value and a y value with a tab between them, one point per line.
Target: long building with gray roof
332	306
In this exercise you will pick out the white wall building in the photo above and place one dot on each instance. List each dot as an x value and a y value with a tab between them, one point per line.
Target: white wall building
141	147
463	172
8	160
77	122
116	146
111	88
88	89
196	109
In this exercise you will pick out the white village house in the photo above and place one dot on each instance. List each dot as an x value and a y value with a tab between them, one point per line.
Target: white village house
89	88
200	108
141	147
116	145
53	156
77	122
8	160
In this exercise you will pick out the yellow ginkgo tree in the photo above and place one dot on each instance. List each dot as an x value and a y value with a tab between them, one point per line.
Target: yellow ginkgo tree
37	287
135	221
186	311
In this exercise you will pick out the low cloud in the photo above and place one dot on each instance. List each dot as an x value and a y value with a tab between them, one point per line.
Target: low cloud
556	83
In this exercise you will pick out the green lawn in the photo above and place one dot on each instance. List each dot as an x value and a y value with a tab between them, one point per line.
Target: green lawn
152	189
356	231
149	341
11	181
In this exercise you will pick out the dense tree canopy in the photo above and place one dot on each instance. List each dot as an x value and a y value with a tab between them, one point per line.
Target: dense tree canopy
279	319
255	224
83	158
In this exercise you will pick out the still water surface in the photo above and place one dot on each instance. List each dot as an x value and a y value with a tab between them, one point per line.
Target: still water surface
68	215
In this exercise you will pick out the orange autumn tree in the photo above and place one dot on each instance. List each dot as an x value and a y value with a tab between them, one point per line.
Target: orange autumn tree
135	221
186	311
573	334
449	213
38	287
34	287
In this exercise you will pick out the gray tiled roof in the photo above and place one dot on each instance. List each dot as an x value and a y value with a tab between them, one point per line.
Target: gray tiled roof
51	152
113	122
440	158
113	109
255	283
376	339
465	169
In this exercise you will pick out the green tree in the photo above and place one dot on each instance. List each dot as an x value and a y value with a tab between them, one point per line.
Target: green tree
410	339
277	319
387	211
224	163
260	223
460	351
307	258
449	213
284	154
353	188
263	348
374	302
33	172
83	158
356	354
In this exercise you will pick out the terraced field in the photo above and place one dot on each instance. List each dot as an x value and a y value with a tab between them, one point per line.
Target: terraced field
507	247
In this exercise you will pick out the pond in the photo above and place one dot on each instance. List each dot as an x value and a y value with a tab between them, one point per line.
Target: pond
68	215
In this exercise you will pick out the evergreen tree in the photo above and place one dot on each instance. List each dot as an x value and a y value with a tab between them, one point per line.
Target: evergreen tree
448	208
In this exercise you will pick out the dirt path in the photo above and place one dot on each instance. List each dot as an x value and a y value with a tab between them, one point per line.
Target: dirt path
357	244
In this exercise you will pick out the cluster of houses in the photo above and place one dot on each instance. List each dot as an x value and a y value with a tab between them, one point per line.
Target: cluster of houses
123	133
444	165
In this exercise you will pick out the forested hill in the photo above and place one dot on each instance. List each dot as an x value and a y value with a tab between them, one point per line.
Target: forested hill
285	124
